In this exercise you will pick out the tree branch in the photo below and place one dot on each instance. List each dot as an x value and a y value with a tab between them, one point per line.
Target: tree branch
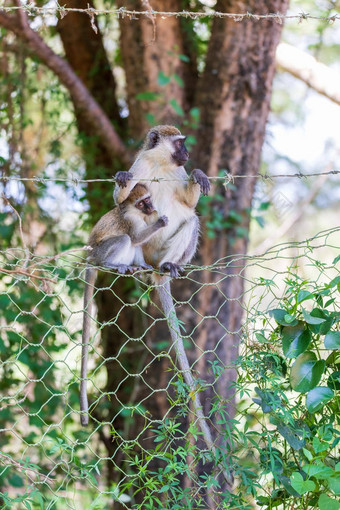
305	67
286	226
82	99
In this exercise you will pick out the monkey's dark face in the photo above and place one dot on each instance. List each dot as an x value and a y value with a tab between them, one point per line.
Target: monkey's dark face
145	205
180	155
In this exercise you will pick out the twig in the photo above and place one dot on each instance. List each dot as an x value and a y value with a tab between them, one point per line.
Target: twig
7	202
26	273
12	462
58	255
14	403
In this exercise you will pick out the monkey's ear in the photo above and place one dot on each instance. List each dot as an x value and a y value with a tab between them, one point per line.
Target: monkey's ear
153	139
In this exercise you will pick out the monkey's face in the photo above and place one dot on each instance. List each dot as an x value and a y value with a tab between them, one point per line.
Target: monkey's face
145	205
180	155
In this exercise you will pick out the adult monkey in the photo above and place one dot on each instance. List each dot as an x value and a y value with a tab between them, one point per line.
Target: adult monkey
160	162
162	157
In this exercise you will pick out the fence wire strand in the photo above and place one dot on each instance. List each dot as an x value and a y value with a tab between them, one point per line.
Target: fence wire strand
225	179
133	14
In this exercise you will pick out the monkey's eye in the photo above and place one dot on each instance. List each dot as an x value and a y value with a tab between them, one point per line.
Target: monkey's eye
140	204
179	144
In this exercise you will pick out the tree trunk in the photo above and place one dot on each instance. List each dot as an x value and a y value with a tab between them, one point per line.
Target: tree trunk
151	49
236	84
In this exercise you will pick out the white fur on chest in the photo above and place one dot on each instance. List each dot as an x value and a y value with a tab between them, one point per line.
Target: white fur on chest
166	201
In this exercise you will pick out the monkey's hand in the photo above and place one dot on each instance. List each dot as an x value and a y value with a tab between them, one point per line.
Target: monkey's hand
173	269
122	178
162	221
200	178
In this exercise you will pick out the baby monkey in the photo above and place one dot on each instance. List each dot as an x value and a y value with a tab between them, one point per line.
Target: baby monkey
116	242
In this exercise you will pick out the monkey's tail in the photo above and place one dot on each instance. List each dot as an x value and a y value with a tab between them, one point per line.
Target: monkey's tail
165	296
90	278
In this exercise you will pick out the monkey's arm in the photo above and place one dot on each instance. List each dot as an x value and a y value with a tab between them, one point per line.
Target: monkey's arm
198	183
124	182
139	237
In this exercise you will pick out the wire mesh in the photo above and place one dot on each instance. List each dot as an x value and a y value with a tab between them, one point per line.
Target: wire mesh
143	425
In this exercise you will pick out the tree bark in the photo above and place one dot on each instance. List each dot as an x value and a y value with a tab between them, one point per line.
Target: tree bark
150	51
84	50
234	98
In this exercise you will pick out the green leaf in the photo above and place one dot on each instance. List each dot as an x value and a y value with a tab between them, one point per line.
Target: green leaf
308	454
281	317
332	340
334	381
178	109
320	446
288	486
195	113
40	500
164	488
184	58
306	372
260	220
303	295
295	340
318	471
264	206
163	79
179	80
336	260
334	484
318	397
190	140
335	282
327	503
300	485
267	400
260	337
16	481
147	96
151	119
311	319
291	435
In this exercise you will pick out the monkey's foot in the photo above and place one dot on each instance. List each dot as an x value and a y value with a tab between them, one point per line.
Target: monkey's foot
121	268
122	178
173	269
144	267
200	178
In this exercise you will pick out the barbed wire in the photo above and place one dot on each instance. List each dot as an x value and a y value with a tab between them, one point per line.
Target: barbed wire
227	178
123	12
